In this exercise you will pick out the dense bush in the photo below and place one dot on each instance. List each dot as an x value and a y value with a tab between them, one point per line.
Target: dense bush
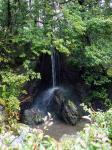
23	137
95	136
10	89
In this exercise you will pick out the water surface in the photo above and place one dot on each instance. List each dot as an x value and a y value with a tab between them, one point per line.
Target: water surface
58	129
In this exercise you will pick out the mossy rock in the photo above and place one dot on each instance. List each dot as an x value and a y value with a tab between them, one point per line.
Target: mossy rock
70	113
32	117
65	109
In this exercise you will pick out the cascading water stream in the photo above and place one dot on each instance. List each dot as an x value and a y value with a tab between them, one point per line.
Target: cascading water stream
53	62
54	54
44	98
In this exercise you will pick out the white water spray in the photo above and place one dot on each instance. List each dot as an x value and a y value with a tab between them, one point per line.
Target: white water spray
44	100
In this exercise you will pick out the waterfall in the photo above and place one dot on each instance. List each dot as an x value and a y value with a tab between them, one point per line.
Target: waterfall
53	62
54	55
45	98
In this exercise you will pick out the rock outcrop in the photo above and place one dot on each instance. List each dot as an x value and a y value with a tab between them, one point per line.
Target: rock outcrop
70	113
65	109
32	117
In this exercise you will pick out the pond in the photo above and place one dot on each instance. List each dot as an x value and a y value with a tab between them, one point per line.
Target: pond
60	129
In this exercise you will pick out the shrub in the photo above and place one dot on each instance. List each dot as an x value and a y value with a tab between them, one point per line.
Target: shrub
10	89
95	136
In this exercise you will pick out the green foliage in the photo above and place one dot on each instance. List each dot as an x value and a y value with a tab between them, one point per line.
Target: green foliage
100	95
92	49
100	32
33	141
10	89
102	119
95	136
99	82
28	139
92	138
109	71
96	76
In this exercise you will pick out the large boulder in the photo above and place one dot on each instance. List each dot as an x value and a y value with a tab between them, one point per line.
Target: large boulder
65	109
70	113
32	116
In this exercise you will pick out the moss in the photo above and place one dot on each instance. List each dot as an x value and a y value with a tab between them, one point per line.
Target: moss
70	103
